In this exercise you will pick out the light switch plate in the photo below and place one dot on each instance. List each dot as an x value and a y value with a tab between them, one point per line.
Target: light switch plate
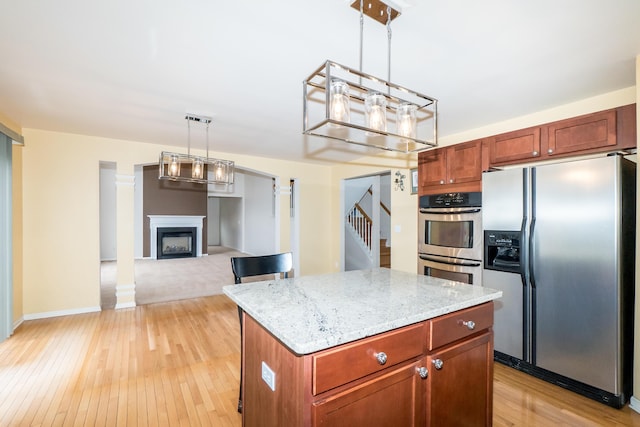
268	376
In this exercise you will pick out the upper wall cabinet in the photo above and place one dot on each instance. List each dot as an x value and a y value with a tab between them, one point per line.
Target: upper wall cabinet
451	169
603	131
520	145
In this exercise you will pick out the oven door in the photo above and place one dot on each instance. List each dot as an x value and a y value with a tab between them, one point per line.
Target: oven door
460	270
450	232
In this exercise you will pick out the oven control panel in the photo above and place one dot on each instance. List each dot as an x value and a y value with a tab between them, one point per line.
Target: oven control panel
451	200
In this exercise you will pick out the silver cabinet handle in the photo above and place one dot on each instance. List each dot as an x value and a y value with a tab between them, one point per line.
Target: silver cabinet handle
535	153
381	357
423	372
550	151
470	324
442	181
451	181
438	363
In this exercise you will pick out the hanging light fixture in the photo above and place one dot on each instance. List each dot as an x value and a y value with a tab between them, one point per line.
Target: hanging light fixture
202	170
349	105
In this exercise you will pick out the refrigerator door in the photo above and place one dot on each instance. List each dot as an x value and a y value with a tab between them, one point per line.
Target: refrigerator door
503	199
503	208
575	276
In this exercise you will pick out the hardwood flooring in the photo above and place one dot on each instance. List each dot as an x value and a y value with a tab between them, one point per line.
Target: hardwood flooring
177	363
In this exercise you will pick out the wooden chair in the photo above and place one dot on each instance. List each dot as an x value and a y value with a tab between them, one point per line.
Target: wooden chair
257	266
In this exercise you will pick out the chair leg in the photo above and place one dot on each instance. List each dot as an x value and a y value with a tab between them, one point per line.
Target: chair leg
241	357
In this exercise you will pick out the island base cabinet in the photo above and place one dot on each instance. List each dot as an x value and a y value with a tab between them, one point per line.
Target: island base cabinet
444	381
460	386
389	400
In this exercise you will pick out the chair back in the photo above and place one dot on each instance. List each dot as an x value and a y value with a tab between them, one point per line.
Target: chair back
259	265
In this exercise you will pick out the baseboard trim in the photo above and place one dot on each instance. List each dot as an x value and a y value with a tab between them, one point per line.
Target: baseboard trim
125	305
17	323
634	404
46	315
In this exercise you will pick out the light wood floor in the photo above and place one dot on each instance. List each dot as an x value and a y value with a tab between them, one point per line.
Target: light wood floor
177	363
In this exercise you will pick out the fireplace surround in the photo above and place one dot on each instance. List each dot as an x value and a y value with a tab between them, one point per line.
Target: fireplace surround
178	222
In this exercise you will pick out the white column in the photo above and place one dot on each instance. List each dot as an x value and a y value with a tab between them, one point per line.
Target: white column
125	279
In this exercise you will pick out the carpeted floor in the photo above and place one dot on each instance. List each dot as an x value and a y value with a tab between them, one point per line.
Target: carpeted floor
173	279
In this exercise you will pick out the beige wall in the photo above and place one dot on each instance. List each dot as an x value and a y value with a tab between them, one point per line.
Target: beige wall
61	214
404	208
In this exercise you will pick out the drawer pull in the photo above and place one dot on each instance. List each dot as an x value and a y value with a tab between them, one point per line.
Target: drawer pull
438	363
381	357
423	372
470	324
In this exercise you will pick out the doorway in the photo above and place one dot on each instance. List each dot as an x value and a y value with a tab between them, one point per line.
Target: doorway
366	222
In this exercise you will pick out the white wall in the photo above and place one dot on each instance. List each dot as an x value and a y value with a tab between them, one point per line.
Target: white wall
259	221
231	217
213	221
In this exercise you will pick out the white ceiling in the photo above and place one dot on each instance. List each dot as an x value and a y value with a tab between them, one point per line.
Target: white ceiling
131	69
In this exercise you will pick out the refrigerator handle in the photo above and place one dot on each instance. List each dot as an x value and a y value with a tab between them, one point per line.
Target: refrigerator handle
523	259
532	277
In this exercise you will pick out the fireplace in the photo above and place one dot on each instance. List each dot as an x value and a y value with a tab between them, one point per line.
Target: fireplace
175	222
176	242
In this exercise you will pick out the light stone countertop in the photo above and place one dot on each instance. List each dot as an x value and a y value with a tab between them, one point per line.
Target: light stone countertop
312	313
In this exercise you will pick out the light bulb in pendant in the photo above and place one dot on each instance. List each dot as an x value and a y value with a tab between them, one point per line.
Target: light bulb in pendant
375	109
406	120
339	108
219	171
197	169
174	165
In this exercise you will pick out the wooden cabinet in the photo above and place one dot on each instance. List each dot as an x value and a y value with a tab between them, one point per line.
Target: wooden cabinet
460	358
436	372
600	132
387	400
450	169
461	383
593	131
520	145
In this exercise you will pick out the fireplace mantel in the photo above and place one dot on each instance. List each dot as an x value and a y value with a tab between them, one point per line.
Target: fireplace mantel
156	221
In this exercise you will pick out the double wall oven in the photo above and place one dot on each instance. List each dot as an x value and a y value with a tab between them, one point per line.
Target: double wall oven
450	237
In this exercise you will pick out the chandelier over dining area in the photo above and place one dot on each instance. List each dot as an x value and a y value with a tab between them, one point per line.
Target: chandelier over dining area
192	168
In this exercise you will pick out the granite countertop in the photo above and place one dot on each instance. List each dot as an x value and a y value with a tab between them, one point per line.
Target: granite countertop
312	313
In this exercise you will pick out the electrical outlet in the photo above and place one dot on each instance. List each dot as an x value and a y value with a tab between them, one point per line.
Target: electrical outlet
268	376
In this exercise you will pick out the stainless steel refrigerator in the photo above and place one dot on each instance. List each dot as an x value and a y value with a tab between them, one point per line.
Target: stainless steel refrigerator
559	242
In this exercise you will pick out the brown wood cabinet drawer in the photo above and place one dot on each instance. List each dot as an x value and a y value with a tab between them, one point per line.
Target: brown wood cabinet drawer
349	362
457	325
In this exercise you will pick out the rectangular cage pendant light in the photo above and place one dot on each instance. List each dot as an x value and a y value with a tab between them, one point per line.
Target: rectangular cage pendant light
339	103
348	105
192	168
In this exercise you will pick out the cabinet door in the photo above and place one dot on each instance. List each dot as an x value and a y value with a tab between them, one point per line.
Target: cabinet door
588	132
460	383
464	162
392	399
515	146
432	168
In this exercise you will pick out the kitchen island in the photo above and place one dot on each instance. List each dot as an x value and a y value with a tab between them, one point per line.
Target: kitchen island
366	347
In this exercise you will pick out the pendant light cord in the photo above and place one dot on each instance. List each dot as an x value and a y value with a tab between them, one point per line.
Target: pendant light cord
361	35
188	136
388	49
208	121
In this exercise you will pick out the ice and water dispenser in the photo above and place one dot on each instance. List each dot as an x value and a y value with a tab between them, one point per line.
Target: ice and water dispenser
502	250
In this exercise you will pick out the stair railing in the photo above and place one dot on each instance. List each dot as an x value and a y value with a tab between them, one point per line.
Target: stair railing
361	224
